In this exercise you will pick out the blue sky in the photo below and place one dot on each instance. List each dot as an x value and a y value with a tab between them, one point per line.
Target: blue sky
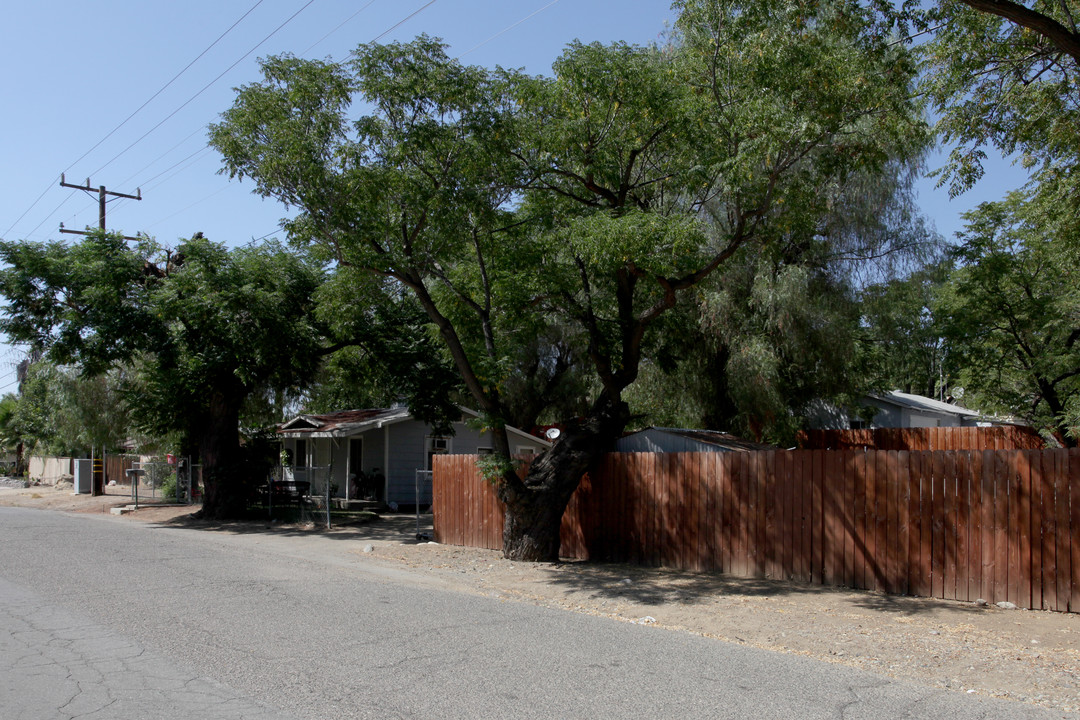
77	73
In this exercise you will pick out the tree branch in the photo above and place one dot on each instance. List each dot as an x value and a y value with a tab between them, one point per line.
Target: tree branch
1067	41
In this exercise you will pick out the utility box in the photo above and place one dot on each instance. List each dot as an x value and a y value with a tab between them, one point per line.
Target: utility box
84	477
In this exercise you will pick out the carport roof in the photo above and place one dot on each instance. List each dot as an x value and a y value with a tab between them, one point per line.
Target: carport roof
345	422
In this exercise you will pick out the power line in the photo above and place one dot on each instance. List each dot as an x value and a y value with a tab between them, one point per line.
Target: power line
343	24
206	87
32	205
506	29
379	37
62	203
163	88
111	132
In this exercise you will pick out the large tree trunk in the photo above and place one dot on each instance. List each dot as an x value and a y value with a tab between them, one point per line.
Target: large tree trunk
224	479
535	505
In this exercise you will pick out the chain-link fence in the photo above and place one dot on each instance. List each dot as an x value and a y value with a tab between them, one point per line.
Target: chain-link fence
165	479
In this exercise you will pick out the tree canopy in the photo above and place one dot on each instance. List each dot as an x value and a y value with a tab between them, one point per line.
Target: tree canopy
576	207
197	331
1011	310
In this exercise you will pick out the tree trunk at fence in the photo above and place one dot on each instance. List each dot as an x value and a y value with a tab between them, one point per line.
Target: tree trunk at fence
535	505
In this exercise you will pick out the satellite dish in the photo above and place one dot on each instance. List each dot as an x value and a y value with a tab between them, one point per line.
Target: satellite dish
552	433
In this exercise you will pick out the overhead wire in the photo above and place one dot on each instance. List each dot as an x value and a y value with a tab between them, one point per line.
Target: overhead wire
125	121
383	34
206	87
164	87
343	24
237	62
506	29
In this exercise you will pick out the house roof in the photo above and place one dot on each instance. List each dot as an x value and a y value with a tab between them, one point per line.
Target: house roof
716	438
345	423
920	402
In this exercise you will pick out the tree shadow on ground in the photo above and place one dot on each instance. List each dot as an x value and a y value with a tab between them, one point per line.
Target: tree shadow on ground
656	586
367	526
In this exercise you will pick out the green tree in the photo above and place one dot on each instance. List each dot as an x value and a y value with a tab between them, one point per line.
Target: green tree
61	412
197	330
510	206
901	341
11	434
1011	311
1004	74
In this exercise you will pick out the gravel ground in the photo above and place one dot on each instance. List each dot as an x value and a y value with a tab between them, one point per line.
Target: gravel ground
1028	656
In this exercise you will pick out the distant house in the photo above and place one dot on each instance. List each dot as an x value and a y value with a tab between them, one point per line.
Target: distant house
375	454
895	409
668	440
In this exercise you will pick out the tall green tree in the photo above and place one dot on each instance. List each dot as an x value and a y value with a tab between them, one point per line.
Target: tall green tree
1011	309
902	342
198	330
512	205
61	412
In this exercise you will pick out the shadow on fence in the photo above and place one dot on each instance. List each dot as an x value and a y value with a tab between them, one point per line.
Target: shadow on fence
961	525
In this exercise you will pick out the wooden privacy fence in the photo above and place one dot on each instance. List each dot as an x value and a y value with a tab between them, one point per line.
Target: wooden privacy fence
1005	437
997	525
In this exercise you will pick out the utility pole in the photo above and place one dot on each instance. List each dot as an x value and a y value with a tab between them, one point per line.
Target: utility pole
102	193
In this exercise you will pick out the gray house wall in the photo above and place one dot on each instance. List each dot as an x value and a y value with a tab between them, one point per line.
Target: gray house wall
407	453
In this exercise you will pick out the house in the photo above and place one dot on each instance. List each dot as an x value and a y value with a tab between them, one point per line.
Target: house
896	409
658	439
376	454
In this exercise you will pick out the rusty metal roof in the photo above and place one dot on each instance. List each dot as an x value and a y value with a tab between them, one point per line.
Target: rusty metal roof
718	438
340	422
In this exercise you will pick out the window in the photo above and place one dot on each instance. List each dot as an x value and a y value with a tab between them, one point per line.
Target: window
300	459
485	451
436	445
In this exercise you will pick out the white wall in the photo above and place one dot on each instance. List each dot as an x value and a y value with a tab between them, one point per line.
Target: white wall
48	469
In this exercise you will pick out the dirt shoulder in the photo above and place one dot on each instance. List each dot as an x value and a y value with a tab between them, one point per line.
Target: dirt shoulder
1024	655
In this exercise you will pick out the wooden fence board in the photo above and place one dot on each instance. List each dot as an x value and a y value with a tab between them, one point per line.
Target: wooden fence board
859	575
1059	531
773	547
739	514
903	521
937	550
795	515
850	461
712	511
817	526
1020	529
914	566
987	499
1074	525
963	528
755	541
1048	515
1035	459
832	525
1062	533
872	573
1003	498
892	522
975	493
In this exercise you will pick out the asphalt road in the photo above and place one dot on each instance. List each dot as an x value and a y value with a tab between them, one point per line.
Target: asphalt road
105	618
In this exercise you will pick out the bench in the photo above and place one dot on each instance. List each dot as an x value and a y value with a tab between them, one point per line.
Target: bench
287	491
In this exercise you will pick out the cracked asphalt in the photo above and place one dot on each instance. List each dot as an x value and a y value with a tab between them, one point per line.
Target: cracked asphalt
101	618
